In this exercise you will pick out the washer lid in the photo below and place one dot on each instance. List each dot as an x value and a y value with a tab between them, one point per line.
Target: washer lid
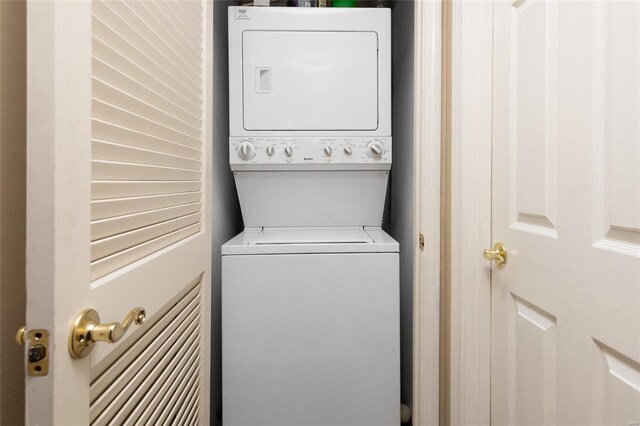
311	240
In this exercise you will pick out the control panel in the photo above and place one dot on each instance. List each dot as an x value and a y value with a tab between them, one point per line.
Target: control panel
320	152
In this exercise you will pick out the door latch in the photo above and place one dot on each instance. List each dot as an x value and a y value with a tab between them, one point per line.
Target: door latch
421	241
37	342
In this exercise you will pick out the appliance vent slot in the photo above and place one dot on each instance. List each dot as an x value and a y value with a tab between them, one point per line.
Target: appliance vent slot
147	121
153	377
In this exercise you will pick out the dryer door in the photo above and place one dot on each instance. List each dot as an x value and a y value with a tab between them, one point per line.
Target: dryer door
310	80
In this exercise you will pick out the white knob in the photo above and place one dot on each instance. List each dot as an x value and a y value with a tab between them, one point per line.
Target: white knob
246	150
328	150
375	150
348	149
271	150
288	150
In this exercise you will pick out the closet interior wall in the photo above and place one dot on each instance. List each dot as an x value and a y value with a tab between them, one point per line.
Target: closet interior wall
225	208
402	185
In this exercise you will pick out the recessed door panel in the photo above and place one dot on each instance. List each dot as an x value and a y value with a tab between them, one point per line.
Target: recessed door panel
310	80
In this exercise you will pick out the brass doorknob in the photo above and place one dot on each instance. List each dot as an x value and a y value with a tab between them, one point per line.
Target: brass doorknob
87	330
499	254
20	335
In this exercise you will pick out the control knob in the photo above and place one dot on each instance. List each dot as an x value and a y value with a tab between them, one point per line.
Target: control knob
246	150
328	150
348	149
288	150
375	149
271	150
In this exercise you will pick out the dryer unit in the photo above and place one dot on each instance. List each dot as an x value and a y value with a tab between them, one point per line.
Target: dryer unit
310	114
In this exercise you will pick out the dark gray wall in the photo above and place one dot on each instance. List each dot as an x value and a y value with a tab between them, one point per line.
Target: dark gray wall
401	209
227	220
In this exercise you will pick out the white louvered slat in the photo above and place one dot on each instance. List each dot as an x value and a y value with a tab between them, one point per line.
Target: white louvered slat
181	404
109	132
123	118
191	12
126	388
101	209
135	392
124	47
122	153
159	397
189	42
162	385
152	416
111	245
119	25
169	413
146	129
166	320
107	189
159	25
112	226
153	78
110	385
149	33
104	170
111	403
189	406
183	22
111	76
108	264
131	104
195	413
188	20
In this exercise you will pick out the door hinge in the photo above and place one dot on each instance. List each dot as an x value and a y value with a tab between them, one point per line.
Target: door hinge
37	342
421	241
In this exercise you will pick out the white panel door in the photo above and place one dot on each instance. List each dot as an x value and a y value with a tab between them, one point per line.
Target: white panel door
117	208
566	202
310	80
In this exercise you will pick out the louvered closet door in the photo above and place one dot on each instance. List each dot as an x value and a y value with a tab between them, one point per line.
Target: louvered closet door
119	114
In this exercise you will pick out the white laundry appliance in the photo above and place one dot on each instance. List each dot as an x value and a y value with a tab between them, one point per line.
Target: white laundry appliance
310	291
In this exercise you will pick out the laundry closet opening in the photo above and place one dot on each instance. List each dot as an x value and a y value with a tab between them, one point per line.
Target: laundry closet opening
398	213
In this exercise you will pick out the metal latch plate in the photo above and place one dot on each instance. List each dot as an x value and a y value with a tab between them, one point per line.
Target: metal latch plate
37	342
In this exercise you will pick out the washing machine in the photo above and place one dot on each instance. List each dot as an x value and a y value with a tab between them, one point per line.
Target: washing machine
310	327
310	304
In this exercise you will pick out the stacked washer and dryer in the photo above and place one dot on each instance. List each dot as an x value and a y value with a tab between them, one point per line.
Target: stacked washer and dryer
310	291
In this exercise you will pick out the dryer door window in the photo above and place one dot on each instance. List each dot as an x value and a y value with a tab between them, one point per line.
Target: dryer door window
310	80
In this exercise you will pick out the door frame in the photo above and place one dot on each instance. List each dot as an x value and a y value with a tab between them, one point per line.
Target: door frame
427	190
466	384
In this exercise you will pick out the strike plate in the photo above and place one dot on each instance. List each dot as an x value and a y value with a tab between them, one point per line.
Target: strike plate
37	342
